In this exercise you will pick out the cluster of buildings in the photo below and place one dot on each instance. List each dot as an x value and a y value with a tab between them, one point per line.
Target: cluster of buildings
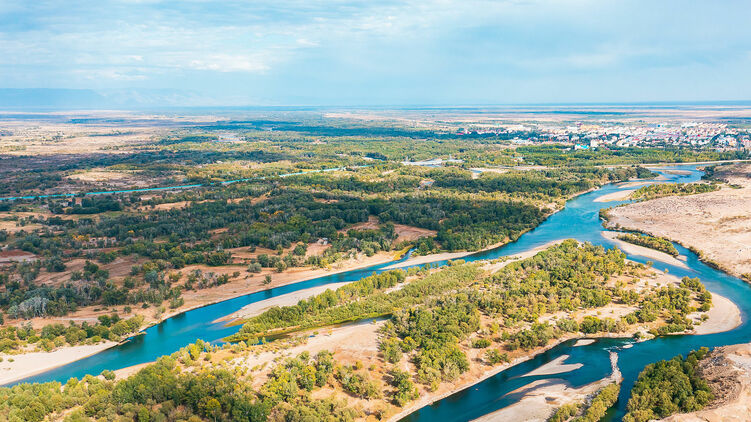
697	135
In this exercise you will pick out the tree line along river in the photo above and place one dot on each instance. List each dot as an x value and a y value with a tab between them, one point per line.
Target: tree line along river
579	220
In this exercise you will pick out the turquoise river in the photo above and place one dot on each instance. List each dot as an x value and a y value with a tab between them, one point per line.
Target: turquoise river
579	220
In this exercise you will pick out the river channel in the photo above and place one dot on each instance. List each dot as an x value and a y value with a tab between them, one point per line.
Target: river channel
579	220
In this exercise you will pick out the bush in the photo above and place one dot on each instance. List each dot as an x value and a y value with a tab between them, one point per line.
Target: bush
480	343
494	357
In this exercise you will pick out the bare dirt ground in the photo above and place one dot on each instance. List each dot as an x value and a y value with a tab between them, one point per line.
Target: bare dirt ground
403	232
16	256
716	223
84	132
112	179
728	372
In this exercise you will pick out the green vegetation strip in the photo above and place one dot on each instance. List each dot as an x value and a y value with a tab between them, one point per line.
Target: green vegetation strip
672	189
668	387
652	242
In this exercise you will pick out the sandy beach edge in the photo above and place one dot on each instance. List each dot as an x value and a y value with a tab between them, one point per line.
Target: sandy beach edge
27	365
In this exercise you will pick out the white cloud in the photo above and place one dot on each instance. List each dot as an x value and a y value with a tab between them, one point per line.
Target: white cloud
349	45
230	63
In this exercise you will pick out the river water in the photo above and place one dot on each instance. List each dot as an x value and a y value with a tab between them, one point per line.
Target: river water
578	220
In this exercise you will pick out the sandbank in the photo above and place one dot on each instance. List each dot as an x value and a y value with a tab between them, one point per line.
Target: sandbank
555	366
542	397
632	249
426	259
289	299
724	315
28	364
620	195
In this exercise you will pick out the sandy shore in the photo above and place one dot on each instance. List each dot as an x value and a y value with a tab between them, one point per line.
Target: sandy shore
540	400
717	223
621	195
456	255
555	366
289	299
723	316
629	185
425	259
542	397
28	364
632	249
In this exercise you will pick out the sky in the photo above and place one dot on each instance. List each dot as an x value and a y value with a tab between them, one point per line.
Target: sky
382	52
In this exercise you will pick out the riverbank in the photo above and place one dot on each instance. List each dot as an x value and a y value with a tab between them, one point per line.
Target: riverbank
724	315
541	398
257	308
727	370
32	363
621	195
426	259
632	249
290	299
716	223
17	367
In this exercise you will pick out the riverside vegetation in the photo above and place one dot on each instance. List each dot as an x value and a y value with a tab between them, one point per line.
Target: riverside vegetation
667	387
672	189
436	319
653	242
591	411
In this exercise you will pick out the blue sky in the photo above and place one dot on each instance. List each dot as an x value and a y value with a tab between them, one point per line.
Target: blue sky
387	52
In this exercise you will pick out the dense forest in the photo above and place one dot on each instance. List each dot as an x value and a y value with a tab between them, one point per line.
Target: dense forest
278	215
